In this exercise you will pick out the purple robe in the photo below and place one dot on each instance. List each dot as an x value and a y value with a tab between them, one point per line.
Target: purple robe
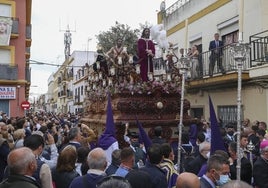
144	59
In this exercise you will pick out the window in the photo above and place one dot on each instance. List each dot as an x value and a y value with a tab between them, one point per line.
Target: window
5	55
82	91
5	10
230	38
228	113
197	112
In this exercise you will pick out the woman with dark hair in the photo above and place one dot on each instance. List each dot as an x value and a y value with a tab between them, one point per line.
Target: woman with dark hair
65	171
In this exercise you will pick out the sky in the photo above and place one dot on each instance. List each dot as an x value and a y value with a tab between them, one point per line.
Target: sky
86	19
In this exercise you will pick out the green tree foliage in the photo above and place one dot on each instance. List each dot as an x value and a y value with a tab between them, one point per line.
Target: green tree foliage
107	39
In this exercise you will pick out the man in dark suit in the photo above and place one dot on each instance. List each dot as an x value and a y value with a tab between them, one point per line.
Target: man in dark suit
216	48
260	172
246	168
217	172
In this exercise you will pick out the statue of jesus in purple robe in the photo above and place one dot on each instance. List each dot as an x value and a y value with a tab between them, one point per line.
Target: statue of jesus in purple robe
146	52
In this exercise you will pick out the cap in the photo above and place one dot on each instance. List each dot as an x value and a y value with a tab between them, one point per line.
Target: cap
264	144
134	135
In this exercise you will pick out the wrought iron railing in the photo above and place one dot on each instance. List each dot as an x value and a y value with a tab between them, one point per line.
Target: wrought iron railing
8	72
259	48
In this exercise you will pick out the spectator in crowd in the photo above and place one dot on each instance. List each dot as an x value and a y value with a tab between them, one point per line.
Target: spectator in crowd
195	165
246	168
195	64
139	150
50	145
187	179
65	171
203	169
200	138
260	172
22	165
168	166
114	181
74	137
4	151
19	135
127	161
97	163
246	123
229	137
157	175
217	172
139	179
252	139
116	161
158	136
81	163
216	48
262	125
43	173
236	184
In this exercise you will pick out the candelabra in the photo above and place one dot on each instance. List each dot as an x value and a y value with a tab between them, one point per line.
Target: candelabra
184	67
239	51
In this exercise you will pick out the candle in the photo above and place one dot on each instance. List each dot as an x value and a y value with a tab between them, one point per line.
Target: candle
138	70
130	59
98	65
110	81
150	76
112	71
186	33
100	75
119	60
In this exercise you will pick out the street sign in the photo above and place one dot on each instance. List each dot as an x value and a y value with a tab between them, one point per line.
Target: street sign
25	105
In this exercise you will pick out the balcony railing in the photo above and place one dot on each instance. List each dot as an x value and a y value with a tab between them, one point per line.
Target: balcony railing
15	26
8	72
227	60
259	48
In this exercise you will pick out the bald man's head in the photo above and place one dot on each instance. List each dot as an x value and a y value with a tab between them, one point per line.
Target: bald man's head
97	159
187	180
22	161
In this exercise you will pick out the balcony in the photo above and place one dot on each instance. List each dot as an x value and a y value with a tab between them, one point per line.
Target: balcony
15	28
8	72
218	80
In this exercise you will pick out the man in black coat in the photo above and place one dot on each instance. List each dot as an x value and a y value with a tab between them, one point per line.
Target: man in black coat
22	164
246	168
260	167
157	175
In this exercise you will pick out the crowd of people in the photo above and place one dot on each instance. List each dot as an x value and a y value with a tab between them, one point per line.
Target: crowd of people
47	150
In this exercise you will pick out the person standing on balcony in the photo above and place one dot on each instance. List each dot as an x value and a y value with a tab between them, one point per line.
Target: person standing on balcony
216	48
146	52
195	63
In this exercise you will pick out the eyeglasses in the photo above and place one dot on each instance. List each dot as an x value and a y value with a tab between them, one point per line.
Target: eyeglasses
109	178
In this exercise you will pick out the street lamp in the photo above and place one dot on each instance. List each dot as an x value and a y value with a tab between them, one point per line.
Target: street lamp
239	51
184	68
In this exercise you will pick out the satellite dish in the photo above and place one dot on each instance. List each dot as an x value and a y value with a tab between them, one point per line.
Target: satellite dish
163	6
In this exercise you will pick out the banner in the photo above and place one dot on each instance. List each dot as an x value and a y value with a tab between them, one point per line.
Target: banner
7	92
5	30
